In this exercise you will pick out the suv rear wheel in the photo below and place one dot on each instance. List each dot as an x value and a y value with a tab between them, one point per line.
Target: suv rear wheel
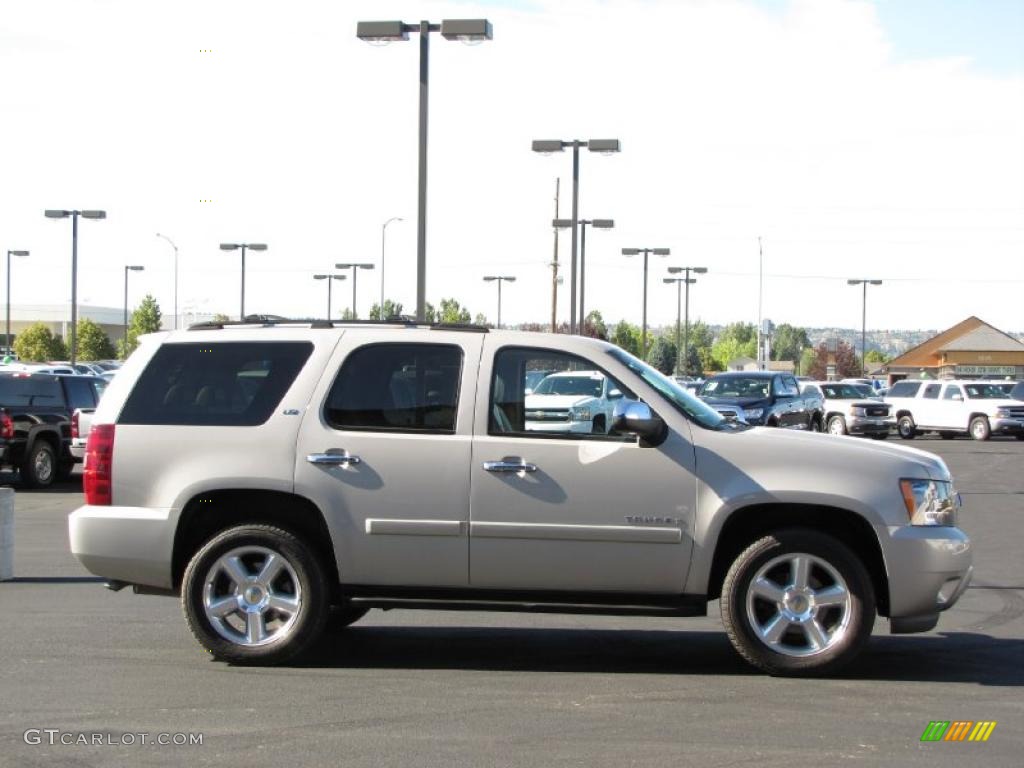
255	594
798	602
39	469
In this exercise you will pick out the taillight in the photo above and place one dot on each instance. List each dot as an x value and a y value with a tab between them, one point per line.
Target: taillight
74	426
99	460
6	426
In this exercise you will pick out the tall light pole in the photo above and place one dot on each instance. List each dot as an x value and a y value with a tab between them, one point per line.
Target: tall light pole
127	268
499	279
864	318
7	337
243	247
597	224
383	234
355	277
62	214
606	146
687	280
646	252
466	30
165	237
330	280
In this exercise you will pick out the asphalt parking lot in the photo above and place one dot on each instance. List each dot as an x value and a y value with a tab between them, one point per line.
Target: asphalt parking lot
407	688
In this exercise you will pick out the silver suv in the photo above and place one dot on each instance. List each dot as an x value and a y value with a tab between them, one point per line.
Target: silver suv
274	475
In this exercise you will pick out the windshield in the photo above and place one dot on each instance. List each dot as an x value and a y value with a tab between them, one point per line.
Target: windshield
736	386
985	392
682	400
842	391
588	384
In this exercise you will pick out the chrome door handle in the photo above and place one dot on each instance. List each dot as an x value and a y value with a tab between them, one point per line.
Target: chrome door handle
343	459
515	465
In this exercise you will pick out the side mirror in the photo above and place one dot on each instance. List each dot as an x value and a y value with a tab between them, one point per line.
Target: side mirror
528	391
614	394
635	418
958	396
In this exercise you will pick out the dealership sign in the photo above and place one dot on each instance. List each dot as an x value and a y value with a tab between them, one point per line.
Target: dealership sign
986	370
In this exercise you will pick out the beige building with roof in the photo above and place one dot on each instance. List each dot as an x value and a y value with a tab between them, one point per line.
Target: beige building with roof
972	349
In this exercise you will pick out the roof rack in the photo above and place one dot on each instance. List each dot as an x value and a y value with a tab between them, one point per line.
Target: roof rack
269	321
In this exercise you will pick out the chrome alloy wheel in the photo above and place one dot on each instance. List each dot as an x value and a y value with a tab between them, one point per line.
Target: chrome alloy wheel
798	605
252	596
42	465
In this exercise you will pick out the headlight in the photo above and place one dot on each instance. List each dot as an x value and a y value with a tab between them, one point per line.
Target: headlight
1002	413
929	502
857	411
580	414
753	413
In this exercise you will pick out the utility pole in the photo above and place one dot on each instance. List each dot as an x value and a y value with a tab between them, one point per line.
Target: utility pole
554	267
760	292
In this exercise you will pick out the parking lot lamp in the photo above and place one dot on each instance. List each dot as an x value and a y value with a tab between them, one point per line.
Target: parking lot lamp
7	336
499	279
864	318
165	237
599	224
355	277
466	30
687	280
383	234
330	280
546	146
127	269
646	252
73	215
243	247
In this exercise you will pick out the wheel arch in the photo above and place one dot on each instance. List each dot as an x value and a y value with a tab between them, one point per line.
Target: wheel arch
207	513
748	524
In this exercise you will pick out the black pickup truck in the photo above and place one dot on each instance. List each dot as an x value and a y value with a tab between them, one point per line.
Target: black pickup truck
35	422
765	398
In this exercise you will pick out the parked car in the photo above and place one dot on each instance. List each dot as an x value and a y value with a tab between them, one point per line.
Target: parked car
977	408
35	423
351	467
42	368
764	398
848	412
572	401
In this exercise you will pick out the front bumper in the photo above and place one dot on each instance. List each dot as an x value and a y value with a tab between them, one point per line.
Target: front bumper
867	425
1006	426
929	569
130	544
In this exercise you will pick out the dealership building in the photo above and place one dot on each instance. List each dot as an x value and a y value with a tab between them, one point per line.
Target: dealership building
971	349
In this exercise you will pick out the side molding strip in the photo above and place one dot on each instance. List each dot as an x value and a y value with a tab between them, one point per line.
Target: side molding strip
416	527
616	533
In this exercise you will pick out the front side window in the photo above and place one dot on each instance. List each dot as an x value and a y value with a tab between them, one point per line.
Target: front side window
538	392
904	389
397	388
224	384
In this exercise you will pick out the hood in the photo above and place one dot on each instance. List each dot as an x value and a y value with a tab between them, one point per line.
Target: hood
742	402
555	401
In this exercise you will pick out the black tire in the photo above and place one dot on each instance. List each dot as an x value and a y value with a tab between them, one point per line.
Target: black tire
344	615
906	428
947	435
1019	436
598	427
39	467
845	628
979	428
302	579
836	425
815	425
880	436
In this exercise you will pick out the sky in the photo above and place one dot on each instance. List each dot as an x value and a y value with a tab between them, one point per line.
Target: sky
877	139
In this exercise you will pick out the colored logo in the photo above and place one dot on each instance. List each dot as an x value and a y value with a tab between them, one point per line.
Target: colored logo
958	730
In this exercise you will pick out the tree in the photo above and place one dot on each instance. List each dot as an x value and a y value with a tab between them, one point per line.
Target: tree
594	326
663	355
728	348
806	361
787	342
481	319
145	319
692	365
876	356
741	333
708	363
846	361
701	341
220	317
93	343
429	313
391	309
348	314
38	344
453	313
627	336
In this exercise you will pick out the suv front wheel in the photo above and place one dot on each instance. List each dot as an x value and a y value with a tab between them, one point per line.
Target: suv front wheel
798	602
255	594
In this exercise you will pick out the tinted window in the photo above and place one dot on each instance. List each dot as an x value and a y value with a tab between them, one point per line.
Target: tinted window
786	387
31	390
736	386
951	392
574	399
904	389
397	387
80	393
932	391
236	384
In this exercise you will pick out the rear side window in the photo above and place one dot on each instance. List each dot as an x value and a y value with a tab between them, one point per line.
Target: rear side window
932	391
397	388
31	390
230	384
904	389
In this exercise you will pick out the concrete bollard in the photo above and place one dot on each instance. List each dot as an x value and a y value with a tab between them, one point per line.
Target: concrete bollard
6	534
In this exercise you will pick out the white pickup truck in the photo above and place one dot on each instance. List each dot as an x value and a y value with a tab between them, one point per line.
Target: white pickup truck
572	401
978	408
81	422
